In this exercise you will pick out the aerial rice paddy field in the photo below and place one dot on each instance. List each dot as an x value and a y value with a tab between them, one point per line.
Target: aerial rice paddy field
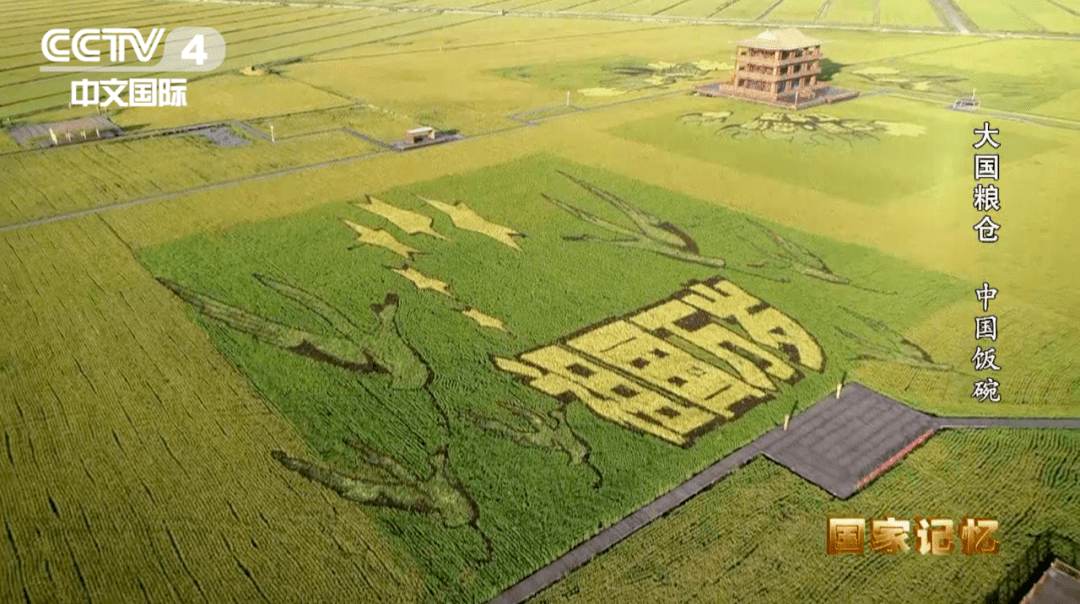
272	370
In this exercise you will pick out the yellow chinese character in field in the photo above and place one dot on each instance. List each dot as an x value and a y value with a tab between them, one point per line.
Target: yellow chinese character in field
934	535
633	351
763	323
560	373
975	536
845	535
754	364
889	536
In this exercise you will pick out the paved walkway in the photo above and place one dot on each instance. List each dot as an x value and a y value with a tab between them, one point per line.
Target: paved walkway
1007	422
622	529
766	444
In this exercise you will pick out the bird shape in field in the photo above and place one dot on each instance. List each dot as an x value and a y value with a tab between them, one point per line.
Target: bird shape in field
437	492
791	255
651	233
379	238
379	350
467	219
552	432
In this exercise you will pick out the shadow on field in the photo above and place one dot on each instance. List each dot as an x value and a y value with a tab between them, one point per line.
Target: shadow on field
829	69
136	128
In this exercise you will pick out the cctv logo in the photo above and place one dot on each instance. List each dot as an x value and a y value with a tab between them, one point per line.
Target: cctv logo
185	49
118	39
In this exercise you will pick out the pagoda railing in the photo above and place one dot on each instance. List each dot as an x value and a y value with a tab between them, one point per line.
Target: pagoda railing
771	60
782	77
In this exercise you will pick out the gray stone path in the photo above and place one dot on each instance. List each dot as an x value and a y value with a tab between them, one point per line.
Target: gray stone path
863	428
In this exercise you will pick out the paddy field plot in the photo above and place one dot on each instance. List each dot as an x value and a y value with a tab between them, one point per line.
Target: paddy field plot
138	453
32	90
8	143
993	70
745	9
449	101
606	6
645	7
286	41
787	559
65	179
376	122
849	11
797	10
1059	17
227	97
613	79
1041	379
1021	15
910	14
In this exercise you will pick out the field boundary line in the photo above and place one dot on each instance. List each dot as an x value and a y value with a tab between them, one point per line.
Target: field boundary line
825	6
1072	12
364	137
1068	423
773	7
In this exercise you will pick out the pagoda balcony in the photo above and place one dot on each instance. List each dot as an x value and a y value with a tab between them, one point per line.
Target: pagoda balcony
776	77
771	60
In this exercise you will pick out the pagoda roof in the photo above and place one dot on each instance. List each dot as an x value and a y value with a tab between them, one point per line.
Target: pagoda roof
780	39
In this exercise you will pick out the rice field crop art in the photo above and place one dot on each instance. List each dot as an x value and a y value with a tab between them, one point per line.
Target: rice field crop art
551	431
381	349
661	370
808	128
892	77
453	423
871	150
